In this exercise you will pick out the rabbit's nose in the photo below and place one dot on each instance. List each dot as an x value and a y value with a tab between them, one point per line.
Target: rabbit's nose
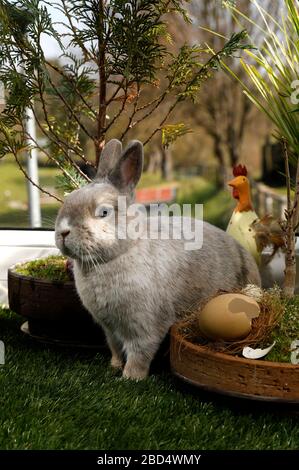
65	233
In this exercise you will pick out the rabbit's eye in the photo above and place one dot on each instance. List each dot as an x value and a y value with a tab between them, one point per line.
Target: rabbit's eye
103	211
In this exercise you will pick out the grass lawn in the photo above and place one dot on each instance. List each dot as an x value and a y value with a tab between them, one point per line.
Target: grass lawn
65	399
13	192
218	205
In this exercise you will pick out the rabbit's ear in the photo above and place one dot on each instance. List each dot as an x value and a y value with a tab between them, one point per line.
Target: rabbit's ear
109	159
129	168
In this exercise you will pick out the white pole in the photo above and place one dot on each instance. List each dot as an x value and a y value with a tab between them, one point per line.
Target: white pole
32	169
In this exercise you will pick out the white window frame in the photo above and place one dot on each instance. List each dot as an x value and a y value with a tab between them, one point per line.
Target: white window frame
21	245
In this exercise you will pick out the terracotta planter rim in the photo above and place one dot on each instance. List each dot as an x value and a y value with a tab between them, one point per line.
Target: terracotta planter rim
11	271
228	357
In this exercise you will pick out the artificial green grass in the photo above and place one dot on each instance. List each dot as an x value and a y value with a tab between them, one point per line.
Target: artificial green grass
65	399
52	268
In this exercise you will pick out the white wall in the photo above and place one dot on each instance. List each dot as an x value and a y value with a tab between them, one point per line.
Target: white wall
19	246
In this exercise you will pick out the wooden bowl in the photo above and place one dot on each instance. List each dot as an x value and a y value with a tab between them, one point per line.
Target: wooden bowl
232	375
53	309
43	299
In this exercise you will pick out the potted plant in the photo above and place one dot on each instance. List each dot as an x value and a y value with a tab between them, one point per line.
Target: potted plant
219	365
43	291
121	74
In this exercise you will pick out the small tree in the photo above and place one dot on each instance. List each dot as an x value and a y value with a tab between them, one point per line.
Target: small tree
115	54
273	71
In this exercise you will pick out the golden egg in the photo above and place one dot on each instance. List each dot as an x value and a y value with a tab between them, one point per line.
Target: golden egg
228	317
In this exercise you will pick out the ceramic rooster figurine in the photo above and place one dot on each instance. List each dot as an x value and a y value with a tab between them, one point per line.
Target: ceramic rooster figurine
253	233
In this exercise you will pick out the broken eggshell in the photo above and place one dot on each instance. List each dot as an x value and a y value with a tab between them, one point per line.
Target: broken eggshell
295	352
228	317
251	353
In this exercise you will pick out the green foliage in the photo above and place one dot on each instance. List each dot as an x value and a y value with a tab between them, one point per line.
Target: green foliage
130	31
205	71
73	180
286	332
187	72
171	132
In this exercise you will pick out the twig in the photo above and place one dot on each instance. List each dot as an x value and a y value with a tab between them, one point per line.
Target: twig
69	78
132	114
118	88
116	116
171	108
85	51
102	107
288	177
72	162
69	107
57	141
290	214
296	200
66	174
32	182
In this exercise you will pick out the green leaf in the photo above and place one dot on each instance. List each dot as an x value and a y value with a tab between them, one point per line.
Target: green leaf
171	132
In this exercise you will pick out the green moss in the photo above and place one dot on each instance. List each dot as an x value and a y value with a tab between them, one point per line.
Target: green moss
286	332
52	268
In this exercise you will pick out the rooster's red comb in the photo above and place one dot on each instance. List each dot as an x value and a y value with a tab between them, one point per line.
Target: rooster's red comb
240	170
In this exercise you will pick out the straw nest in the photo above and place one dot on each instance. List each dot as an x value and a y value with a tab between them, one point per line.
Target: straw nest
272	310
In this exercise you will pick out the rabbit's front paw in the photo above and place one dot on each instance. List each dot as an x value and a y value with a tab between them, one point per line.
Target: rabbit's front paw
116	362
135	370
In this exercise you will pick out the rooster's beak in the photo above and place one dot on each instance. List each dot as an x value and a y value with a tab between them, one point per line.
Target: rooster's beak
233	183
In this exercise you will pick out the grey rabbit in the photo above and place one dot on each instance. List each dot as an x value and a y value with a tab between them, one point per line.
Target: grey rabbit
137	288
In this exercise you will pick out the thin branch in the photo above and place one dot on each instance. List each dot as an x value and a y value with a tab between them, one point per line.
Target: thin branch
116	116
288	178
55	139
72	162
292	210
57	163
31	181
70	109
150	103
171	108
118	88
290	215
102	107
296	200
132	114
67	77
201	73
150	112
80	43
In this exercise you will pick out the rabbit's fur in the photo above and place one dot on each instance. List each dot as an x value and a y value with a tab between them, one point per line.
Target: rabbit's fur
136	289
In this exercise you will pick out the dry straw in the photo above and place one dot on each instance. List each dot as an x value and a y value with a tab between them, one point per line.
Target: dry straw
272	310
